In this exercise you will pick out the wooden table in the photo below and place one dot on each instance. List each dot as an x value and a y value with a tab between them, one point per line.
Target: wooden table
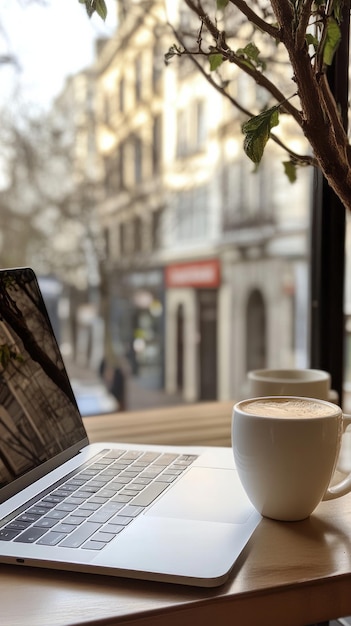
289	574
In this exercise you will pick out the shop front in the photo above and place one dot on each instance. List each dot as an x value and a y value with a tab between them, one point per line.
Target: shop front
137	314
191	314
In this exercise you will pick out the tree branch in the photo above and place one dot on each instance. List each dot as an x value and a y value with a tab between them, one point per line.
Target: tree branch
255	19
283	10
262	80
224	49
331	110
319	118
300	35
297	158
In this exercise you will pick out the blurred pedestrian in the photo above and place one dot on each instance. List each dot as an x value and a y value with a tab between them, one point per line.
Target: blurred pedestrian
113	374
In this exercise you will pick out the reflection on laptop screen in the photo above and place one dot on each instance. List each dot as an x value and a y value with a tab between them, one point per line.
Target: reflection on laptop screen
38	413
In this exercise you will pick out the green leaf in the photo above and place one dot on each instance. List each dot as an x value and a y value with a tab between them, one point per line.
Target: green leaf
332	41
337	10
95	5
101	9
257	130
290	170
251	53
221	4
311	40
90	7
215	61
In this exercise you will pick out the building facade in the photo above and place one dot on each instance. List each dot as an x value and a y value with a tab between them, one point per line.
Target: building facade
206	260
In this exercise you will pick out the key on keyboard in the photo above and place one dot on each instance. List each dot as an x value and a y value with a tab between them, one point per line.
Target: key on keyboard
97	501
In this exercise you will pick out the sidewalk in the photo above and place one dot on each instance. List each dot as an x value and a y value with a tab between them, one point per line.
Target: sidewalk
139	397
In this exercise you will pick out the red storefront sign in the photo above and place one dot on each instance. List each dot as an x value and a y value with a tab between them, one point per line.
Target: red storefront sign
205	274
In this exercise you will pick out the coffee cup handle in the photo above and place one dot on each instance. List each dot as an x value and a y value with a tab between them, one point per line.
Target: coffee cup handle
344	486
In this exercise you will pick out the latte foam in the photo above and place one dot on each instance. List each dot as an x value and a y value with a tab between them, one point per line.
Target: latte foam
287	407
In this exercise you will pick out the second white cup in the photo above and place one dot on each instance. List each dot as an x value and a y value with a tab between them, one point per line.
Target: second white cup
309	383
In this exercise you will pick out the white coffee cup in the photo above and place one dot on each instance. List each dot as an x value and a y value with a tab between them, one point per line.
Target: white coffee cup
311	383
286	450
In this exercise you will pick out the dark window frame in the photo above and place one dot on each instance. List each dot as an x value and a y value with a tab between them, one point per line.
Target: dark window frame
328	233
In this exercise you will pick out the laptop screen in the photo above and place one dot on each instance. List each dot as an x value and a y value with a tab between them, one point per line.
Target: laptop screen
39	417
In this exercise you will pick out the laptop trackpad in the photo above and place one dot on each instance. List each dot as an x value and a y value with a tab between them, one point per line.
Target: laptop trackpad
206	494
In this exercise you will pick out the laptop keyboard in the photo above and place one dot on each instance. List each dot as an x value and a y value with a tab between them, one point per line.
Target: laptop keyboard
97	501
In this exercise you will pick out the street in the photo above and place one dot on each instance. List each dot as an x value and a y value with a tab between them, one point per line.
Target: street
93	397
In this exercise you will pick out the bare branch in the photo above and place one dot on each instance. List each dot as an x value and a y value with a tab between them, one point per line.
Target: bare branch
223	48
255	19
297	158
300	36
333	114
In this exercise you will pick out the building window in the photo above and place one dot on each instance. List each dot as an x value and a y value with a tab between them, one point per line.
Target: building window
200	127
191	129
247	198
121	170
181	148
123	238
231	194
138	160
137	234
106	105
107	240
192	214
138	78
156	221
156	144
111	174
157	67
121	95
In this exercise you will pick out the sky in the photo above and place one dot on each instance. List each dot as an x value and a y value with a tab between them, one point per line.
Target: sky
51	39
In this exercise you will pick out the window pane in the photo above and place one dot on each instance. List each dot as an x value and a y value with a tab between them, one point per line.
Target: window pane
182	264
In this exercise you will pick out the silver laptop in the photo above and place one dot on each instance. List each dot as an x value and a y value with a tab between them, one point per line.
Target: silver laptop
154	513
